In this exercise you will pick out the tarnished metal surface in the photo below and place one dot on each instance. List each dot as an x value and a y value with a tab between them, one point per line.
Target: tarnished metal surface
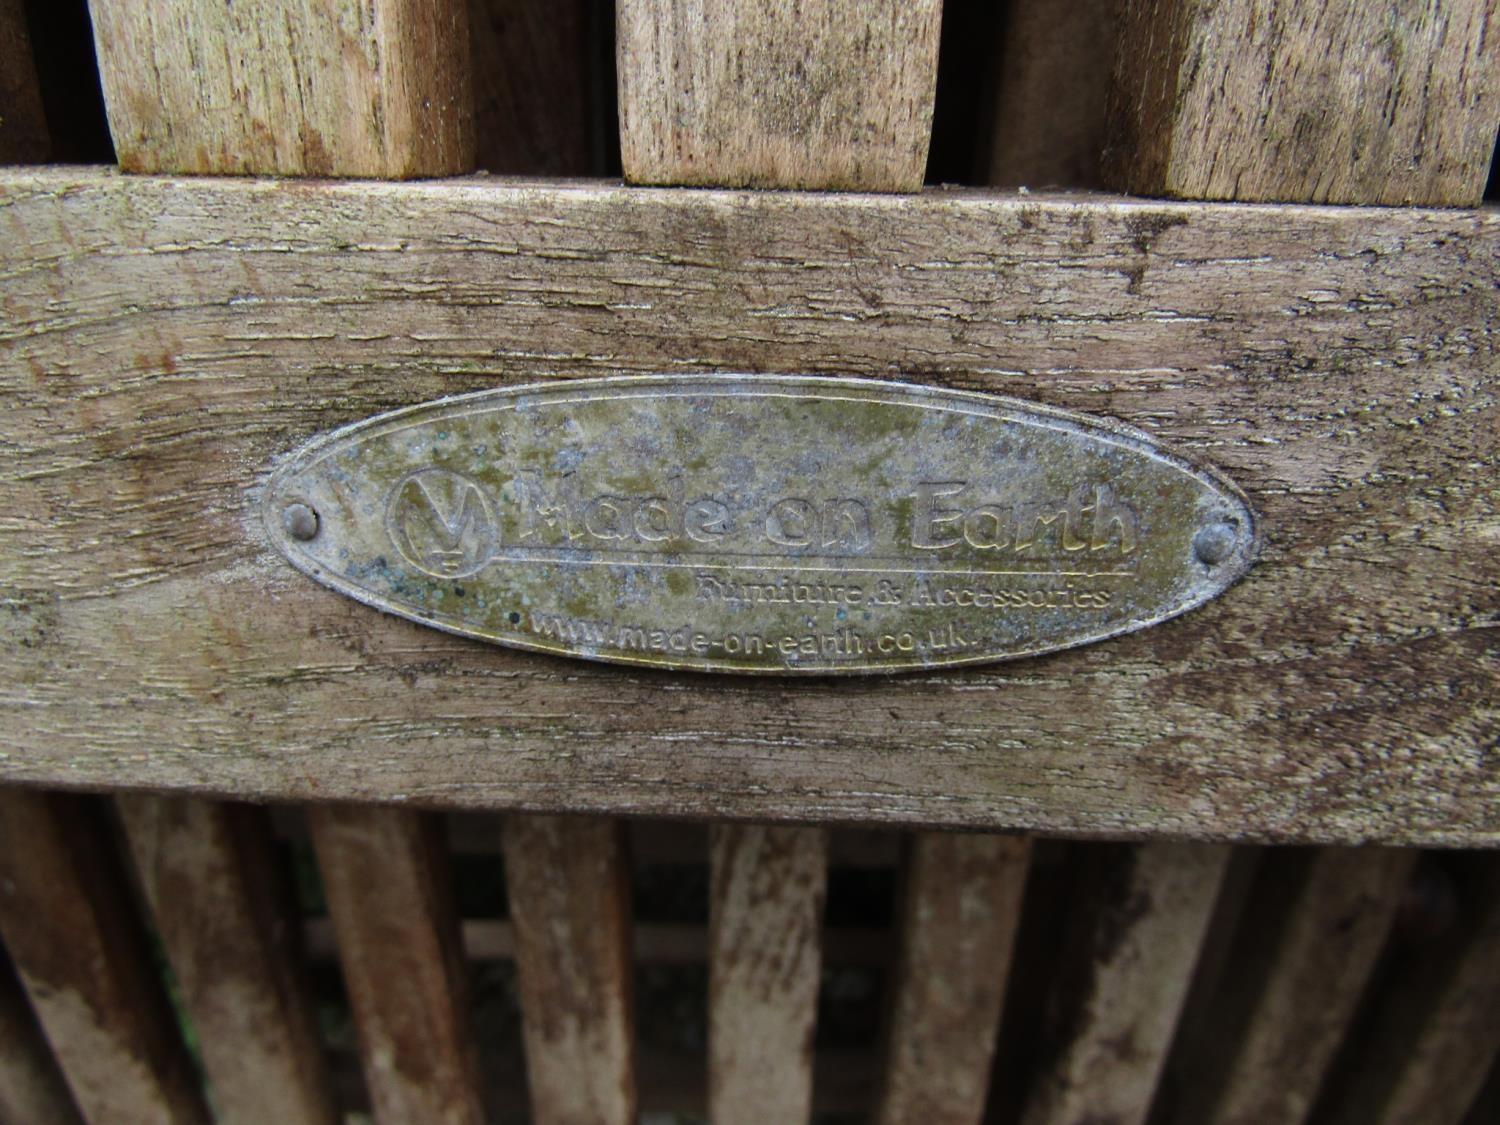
753	523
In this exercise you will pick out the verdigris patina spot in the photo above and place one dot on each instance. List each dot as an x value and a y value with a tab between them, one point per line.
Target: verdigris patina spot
757	523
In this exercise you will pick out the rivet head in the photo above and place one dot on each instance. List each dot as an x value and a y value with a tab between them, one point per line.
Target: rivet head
1215	543
300	521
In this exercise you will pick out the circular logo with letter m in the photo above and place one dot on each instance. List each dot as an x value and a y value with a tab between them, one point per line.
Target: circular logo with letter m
442	523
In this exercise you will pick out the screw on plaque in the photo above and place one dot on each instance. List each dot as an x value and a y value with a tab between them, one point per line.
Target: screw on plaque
300	521
1215	543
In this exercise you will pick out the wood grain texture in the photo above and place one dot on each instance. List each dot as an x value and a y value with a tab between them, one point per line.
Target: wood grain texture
784	93
1136	929
661	943
1434	1036
83	955
32	1089
1345	101
23	121
1337	363
1309	969
373	88
569	891
208	875
1052	84
386	881
1204	1028
764	962
963	903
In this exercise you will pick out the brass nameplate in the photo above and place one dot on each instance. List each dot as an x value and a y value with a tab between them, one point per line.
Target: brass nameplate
748	523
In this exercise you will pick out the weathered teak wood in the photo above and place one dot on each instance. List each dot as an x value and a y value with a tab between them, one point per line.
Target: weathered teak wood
380	88
569	891
207	872
679	943
23	121
1140	916
386	881
963	903
567	877
1436	1034
783	93
1205	1030
764	959
82	953
1316	961
1338	363
1052	80
32	1089
1342	101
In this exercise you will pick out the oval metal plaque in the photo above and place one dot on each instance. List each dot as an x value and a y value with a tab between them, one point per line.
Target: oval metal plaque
764	524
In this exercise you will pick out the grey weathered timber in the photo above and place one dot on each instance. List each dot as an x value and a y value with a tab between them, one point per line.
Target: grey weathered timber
31	1086
389	895
663	943
764	962
1337	363
1434	1035
84	957
1341	101
783	93
207	872
1134	935
1304	966
23	120
380	88
568	886
962	910
1206	1030
1052	81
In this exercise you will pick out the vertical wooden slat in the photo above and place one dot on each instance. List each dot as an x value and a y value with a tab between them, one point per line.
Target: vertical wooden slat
207	872
1343	101
781	93
32	1089
80	949
1316	961
1143	912
381	88
386	879
23	121
569	892
764	963
1436	1033
963	903
567	878
1202	1024
377	88
1051	90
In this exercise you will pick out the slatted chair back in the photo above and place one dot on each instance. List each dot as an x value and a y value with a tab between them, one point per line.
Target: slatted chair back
266	854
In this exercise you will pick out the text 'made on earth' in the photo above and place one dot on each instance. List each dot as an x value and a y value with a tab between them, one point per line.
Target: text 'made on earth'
760	524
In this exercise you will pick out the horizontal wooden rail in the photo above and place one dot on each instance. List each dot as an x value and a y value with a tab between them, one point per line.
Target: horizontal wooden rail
165	340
